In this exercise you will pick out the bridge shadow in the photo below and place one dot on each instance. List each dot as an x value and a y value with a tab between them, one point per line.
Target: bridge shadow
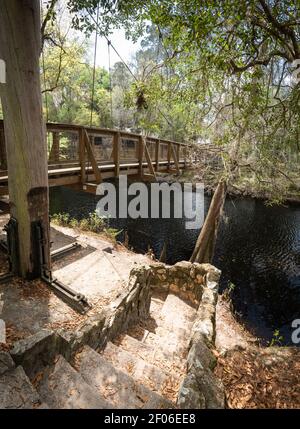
60	240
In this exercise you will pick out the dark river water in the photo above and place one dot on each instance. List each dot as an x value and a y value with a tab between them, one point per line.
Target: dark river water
258	250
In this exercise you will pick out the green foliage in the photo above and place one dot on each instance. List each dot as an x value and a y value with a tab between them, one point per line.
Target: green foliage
227	294
62	219
93	223
277	339
216	72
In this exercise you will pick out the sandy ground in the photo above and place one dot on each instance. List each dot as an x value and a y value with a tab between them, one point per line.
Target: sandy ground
230	334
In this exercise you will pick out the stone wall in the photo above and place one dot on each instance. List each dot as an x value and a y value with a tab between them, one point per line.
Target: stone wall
201	388
197	283
39	350
185	279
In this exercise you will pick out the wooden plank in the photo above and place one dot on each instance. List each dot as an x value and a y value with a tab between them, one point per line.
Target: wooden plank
140	156
169	154
65	180
54	152
148	158
3	190
116	153
82	156
99	131
157	155
4	207
175	157
91	156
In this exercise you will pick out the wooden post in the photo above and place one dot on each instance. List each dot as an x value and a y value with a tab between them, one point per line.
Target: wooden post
141	155
81	150
25	131
116	150
175	157
157	155
148	158
178	152
184	156
3	164
54	153
169	155
92	157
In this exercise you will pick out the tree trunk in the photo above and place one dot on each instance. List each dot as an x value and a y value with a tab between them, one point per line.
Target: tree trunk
25	133
205	245
204	248
3	165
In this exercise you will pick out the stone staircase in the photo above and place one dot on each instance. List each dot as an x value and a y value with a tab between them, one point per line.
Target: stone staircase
142	368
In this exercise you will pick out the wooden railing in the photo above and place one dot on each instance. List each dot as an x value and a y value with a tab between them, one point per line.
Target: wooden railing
93	150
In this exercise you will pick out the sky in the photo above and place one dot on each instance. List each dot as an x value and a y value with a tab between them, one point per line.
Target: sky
126	49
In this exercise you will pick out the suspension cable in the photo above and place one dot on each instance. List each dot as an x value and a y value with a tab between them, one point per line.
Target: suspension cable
115	50
94	69
110	83
126	65
44	70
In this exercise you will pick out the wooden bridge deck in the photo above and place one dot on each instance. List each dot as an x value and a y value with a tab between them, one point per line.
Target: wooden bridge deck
82	156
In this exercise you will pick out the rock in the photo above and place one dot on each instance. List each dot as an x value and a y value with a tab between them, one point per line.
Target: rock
38	350
63	387
189	396
109	382
200	356
184	265
6	362
211	388
16	391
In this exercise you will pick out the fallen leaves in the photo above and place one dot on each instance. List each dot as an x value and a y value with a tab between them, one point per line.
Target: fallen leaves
251	381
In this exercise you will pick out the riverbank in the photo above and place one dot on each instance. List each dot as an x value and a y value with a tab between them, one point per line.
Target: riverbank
244	189
253	376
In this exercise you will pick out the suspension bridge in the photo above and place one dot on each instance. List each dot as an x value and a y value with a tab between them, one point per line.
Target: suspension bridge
82	157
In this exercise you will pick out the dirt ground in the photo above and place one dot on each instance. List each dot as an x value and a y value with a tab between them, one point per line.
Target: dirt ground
98	269
254	376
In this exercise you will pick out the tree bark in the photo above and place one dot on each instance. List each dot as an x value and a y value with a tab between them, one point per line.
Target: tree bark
25	132
204	248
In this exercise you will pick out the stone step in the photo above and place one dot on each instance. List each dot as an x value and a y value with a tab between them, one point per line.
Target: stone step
176	314
166	384
160	357
63	387
17	392
116	386
173	343
157	303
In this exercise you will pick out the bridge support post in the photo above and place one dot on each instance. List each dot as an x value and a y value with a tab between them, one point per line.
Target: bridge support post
3	163
157	155
169	155
81	148
54	153
141	155
116	151
25	133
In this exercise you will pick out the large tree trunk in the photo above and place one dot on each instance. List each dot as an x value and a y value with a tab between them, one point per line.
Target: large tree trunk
205	245
25	134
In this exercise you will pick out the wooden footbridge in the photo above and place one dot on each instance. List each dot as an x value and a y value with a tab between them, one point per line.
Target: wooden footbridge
81	157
